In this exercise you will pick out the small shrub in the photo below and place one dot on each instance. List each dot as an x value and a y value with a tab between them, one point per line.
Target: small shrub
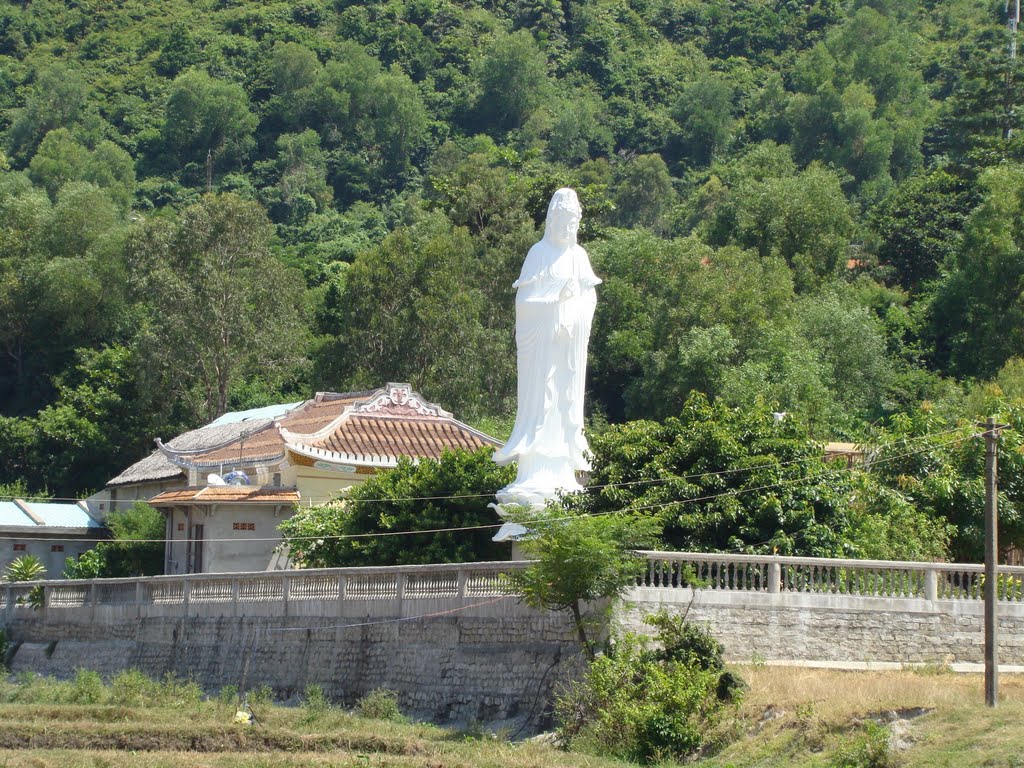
314	703
178	693
25	568
261	696
650	705
87	688
380	704
40	689
131	688
869	749
228	696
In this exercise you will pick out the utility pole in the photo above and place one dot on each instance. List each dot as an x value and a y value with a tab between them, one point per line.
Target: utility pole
991	561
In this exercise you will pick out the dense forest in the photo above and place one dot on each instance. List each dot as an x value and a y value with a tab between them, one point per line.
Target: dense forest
816	206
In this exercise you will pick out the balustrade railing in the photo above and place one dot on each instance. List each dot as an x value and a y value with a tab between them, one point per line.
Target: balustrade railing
665	570
411	582
811	575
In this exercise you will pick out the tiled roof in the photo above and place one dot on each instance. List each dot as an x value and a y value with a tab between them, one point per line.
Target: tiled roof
156	466
373	427
227	494
390	423
265	444
391	436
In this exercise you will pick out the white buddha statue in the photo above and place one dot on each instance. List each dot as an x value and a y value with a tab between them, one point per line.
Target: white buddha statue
555	303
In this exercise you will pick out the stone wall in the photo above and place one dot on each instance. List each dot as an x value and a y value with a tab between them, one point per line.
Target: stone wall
840	630
493	666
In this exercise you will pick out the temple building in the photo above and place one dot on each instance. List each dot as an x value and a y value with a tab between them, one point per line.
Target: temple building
226	487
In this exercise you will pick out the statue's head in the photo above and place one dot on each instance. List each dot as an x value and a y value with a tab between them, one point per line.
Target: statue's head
564	214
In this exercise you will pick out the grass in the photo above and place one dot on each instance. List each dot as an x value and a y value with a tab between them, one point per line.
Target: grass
790	717
810	718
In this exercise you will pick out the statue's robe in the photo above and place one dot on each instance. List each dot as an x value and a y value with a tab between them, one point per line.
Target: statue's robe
555	301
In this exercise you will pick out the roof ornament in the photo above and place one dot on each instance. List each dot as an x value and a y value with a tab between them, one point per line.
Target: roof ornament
400	400
214	479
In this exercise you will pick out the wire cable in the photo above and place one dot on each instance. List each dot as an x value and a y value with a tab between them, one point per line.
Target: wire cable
490	526
623	484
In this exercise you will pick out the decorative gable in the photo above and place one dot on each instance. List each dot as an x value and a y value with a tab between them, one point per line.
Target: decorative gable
400	400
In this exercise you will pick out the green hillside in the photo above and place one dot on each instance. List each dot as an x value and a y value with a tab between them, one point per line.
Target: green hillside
221	204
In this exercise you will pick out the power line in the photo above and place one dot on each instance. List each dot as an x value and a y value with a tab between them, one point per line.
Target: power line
489	526
623	484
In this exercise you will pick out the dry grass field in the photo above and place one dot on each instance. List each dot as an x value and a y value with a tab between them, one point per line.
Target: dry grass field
790	717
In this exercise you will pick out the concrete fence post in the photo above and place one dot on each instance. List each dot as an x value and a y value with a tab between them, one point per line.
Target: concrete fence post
462	578
186	587
93	601
931	584
400	580
774	577
234	597
286	588
138	599
342	593
8	604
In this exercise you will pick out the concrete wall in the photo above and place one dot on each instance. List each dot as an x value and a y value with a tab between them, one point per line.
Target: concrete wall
119	498
228	549
841	630
496	663
52	553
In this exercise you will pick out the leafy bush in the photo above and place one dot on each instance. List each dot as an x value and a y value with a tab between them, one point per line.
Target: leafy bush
135	551
131	688
380	704
459	485
87	687
91	564
314	703
228	696
262	695
649	705
178	693
869	749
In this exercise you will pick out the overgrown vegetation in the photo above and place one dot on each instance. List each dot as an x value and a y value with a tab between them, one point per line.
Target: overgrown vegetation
136	550
427	495
788	717
380	704
652	704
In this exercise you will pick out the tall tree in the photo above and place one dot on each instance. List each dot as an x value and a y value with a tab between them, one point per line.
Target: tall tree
207	115
221	306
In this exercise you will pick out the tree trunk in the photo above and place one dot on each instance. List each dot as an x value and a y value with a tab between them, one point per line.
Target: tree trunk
581	631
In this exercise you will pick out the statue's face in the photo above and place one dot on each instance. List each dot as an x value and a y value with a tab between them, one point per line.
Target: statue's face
564	223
